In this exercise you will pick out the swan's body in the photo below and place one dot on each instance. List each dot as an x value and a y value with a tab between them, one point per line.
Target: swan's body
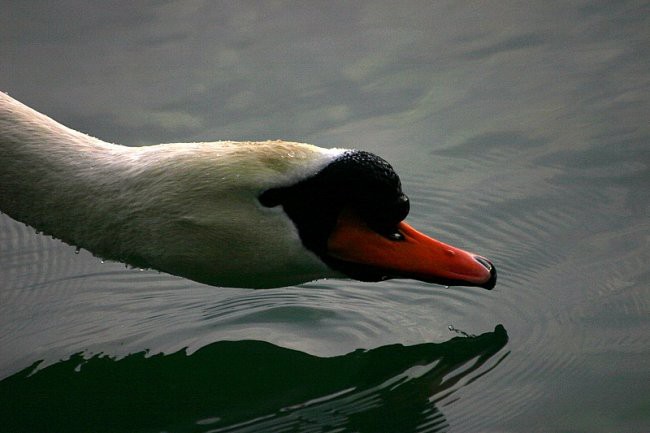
190	209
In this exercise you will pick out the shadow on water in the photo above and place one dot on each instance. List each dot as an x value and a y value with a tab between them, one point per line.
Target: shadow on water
391	388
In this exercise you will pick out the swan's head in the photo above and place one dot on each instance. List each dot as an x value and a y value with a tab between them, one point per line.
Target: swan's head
351	213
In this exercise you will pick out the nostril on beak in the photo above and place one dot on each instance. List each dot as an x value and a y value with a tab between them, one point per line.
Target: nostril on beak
489	284
485	262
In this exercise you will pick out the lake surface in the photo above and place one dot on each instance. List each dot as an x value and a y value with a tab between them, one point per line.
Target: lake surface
520	131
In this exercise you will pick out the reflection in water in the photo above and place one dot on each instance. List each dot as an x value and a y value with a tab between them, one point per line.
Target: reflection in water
391	388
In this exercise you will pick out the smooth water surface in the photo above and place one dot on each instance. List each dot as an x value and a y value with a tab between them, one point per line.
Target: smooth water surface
520	131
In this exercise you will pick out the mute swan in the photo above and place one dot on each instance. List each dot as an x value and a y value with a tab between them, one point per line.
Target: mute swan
238	214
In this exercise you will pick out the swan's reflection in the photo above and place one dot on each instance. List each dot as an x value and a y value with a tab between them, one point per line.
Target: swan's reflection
248	386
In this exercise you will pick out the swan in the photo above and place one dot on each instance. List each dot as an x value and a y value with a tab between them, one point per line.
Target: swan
231	214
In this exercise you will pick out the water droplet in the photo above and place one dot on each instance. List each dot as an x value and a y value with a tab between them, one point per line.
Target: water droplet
459	332
101	261
446	287
76	250
208	421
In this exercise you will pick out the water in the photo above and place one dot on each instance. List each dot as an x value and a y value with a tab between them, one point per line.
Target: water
520	131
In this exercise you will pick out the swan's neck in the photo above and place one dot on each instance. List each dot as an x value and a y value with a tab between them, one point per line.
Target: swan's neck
41	164
22	126
68	184
189	209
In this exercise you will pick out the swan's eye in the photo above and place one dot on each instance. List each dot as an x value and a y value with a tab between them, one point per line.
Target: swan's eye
395	236
384	219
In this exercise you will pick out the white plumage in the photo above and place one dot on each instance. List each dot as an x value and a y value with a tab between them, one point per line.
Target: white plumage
189	209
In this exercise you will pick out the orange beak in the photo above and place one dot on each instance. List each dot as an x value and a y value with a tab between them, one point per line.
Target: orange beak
415	256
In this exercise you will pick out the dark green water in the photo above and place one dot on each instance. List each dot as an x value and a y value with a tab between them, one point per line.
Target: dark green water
520	131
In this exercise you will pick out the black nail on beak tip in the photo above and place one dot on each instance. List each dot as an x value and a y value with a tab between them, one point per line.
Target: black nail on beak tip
489	284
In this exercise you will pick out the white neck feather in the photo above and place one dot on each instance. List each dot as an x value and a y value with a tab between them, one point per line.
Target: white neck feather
189	209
